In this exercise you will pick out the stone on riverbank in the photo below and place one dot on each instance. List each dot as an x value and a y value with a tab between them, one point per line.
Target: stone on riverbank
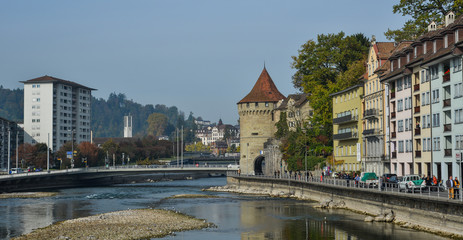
192	196
27	195
129	224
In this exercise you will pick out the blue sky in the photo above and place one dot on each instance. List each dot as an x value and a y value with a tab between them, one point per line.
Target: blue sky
201	56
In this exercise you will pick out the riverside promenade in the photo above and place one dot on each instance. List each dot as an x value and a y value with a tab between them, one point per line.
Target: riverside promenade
422	211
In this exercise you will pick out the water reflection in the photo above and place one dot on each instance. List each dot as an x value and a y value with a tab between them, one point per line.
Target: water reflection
236	216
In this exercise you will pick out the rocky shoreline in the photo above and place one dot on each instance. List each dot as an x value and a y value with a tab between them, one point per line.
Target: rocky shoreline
387	216
128	224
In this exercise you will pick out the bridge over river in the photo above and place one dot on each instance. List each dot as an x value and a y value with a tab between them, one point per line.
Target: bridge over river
100	176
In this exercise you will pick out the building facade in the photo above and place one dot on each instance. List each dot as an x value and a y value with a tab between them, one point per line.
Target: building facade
56	111
376	157
11	131
347	126
425	88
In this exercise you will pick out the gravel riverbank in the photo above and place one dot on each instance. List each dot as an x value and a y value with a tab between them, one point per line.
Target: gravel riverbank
27	195
128	224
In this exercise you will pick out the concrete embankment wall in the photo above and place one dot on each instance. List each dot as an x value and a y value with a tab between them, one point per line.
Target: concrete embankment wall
422	212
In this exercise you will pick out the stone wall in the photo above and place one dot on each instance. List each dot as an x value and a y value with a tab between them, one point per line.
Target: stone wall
440	216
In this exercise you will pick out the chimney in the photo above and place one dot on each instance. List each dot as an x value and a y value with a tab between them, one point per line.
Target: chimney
432	26
373	39
449	18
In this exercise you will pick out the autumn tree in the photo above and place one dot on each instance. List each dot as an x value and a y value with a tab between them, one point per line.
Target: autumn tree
91	153
157	123
422	13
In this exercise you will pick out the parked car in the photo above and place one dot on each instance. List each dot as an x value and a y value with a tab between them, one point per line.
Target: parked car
16	170
411	183
368	179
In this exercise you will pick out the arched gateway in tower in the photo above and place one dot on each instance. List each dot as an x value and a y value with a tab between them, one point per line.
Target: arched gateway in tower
257	123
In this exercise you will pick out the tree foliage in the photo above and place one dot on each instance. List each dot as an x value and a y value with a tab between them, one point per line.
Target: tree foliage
325	66
157	123
12	104
422	13
32	155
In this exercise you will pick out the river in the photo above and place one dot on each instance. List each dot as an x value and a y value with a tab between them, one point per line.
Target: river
236	216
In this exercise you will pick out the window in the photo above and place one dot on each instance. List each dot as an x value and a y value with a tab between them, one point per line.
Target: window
434	48
459	115
456	36
399	85
424	47
435	96
401	146
459	142
456	64
400	106
266	104
257	104
425	121
458	90
435	120
436	143
434	72
400	126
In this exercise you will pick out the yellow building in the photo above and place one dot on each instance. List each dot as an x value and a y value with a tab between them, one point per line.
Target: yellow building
347	128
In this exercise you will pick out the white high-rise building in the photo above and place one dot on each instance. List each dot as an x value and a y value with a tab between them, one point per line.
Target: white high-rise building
56	110
128	126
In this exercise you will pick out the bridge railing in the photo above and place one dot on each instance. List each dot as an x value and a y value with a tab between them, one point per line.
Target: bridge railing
190	167
438	191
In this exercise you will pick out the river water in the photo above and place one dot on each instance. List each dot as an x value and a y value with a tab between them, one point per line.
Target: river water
236	216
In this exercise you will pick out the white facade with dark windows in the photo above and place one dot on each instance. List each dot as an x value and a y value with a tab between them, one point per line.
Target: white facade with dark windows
56	110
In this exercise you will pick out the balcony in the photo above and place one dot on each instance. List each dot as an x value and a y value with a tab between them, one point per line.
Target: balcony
418	154
392	95
393	134
417	131
345	119
417	109
448	127
416	87
345	136
370	113
373	131
447	102
447	152
392	114
394	155
446	78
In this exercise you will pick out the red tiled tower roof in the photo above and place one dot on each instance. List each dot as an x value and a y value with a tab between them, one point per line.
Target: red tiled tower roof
263	91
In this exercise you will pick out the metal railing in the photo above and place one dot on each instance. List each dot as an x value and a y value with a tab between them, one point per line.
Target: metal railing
434	191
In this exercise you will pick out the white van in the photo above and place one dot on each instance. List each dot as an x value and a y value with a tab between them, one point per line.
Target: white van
16	170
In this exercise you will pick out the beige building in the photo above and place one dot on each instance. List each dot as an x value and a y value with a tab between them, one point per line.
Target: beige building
374	127
257	123
297	109
347	129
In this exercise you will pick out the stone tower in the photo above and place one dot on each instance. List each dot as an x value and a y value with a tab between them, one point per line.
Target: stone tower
257	122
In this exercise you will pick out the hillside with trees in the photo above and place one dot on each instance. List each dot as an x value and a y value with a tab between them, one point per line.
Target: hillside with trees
108	115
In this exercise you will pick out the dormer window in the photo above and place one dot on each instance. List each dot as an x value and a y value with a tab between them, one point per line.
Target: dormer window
449	18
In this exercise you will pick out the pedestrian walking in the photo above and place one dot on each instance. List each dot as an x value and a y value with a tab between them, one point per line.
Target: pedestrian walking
450	185
457	188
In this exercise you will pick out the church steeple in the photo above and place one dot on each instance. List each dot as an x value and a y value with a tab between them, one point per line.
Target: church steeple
264	90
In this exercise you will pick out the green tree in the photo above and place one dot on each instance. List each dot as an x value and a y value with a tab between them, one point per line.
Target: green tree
332	63
422	13
157	123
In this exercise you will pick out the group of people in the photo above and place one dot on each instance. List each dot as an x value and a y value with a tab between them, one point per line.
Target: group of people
453	186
